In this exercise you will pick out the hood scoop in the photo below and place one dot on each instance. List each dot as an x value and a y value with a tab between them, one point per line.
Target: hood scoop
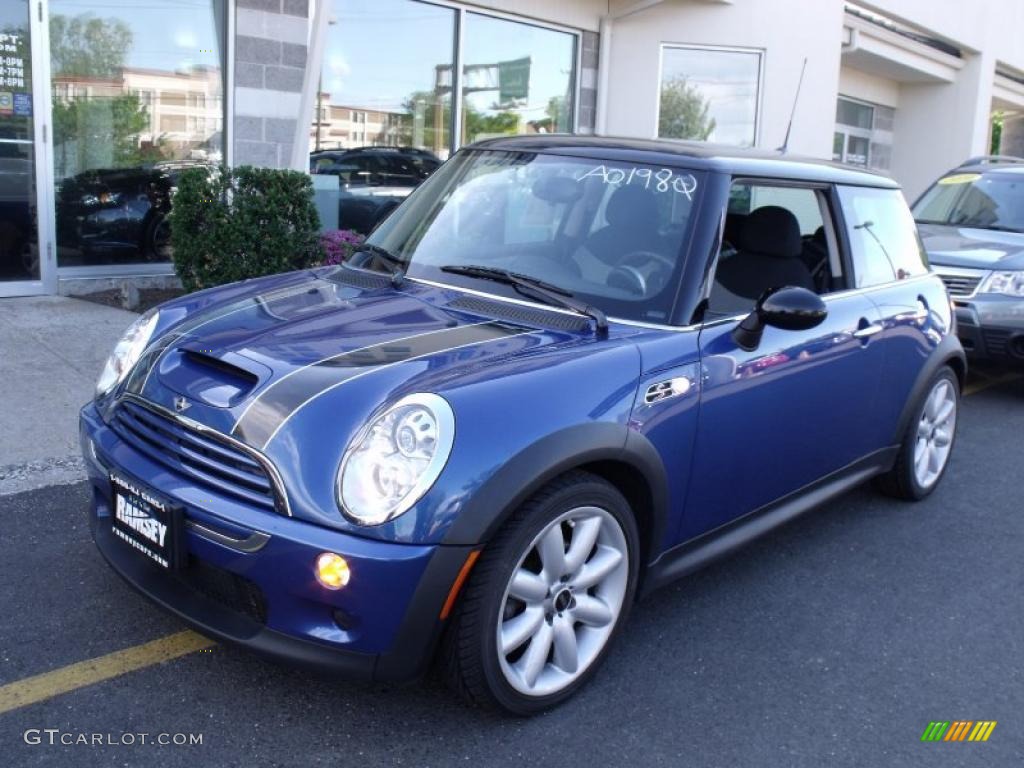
221	382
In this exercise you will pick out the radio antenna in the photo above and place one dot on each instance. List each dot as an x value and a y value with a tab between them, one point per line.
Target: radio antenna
792	114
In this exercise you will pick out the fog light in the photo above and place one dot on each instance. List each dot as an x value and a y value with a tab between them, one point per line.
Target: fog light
332	570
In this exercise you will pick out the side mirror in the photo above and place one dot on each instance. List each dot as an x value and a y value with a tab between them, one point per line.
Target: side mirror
790	308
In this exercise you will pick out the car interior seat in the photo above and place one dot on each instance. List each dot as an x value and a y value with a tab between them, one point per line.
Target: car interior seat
768	255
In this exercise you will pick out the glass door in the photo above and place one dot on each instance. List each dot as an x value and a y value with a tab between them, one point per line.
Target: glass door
26	264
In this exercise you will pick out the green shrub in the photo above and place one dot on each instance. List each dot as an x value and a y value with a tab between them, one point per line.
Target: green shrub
235	223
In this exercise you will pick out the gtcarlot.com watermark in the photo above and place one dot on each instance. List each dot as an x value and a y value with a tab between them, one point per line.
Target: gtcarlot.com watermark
55	737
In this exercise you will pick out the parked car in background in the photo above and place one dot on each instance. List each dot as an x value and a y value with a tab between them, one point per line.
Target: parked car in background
972	224
118	213
373	180
544	386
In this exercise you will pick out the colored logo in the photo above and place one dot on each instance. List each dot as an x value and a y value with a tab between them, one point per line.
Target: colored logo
958	730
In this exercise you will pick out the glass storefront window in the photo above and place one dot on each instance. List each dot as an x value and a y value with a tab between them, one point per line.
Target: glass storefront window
137	96
709	95
19	252
516	78
385	79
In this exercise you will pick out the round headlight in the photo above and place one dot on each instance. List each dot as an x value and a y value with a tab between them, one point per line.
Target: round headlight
127	352
395	459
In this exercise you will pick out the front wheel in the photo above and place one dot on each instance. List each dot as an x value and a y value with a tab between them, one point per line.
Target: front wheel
546	599
928	443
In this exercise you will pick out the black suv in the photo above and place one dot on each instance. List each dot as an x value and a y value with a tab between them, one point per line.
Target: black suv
972	223
373	180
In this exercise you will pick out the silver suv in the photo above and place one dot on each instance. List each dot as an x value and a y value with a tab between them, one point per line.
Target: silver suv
972	223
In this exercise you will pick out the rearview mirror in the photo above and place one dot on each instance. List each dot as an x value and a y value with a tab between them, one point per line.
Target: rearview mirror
790	308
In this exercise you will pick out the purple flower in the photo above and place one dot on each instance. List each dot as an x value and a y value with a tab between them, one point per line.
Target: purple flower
338	245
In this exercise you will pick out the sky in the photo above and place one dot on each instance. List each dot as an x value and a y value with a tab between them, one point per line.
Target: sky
167	34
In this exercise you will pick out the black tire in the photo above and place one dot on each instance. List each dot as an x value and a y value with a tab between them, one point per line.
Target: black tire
901	482
470	661
157	241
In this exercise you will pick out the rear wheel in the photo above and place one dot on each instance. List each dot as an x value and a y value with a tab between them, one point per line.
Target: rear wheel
546	599
928	443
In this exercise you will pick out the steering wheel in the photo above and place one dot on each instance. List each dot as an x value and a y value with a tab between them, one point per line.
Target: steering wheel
636	274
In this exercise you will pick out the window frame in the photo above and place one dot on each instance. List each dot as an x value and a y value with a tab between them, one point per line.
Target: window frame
827	196
762	54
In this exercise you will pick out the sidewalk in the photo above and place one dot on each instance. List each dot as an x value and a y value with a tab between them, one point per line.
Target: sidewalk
51	351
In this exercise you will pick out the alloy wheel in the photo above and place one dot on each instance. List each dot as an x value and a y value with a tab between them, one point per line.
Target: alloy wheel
562	601
935	434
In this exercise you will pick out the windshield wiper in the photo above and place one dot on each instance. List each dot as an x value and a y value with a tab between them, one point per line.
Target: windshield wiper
535	289
395	264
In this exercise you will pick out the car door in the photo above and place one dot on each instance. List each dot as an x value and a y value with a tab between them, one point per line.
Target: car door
797	408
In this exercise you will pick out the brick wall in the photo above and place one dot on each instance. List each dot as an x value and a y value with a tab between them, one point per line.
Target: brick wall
270	59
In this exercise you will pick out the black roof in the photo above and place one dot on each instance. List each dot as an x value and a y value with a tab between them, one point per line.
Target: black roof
691	154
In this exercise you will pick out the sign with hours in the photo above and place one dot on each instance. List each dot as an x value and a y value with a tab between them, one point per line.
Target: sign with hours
12	62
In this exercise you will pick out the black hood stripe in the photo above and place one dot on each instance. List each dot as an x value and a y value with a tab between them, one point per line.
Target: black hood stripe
268	412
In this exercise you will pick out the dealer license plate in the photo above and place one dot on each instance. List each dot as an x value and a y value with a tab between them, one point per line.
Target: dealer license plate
145	522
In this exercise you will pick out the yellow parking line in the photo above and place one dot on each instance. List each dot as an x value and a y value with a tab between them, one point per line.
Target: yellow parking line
49	684
980	386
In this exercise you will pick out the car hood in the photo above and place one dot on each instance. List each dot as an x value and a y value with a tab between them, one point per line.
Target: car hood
296	367
972	248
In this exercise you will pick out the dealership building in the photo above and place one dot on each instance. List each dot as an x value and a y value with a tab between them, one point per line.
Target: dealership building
101	104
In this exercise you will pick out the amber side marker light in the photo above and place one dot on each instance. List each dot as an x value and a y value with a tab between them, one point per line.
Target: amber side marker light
453	593
332	570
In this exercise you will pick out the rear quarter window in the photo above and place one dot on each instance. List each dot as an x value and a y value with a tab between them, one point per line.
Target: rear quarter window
884	243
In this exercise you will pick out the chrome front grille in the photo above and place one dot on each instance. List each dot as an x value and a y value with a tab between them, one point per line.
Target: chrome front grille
211	460
961	284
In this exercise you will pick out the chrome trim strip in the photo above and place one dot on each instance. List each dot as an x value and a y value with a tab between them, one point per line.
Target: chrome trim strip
942	269
254	542
381	368
300	369
275	477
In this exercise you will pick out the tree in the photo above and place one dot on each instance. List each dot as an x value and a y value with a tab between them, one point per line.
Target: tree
997	133
684	112
85	45
109	126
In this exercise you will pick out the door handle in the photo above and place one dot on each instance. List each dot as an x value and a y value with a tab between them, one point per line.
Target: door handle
867	331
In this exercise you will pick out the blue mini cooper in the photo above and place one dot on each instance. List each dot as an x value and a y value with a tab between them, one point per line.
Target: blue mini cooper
565	371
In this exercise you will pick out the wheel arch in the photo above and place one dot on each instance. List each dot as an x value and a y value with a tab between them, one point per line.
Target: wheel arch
949	353
617	454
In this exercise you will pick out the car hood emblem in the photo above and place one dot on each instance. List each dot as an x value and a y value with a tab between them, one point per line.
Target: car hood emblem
181	404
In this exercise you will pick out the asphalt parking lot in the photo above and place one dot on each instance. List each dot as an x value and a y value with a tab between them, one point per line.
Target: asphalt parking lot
832	642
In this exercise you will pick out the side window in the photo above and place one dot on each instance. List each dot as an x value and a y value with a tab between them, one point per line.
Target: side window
883	237
775	236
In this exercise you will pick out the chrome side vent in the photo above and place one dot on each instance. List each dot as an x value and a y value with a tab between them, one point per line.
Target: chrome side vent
663	390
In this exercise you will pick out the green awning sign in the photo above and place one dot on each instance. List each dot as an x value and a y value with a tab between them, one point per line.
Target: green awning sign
514	79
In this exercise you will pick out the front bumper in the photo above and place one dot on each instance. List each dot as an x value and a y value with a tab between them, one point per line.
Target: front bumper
259	591
991	327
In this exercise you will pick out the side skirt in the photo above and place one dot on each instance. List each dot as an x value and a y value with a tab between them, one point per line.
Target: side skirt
692	555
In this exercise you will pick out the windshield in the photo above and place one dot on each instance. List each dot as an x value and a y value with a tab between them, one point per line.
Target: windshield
985	201
610	233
